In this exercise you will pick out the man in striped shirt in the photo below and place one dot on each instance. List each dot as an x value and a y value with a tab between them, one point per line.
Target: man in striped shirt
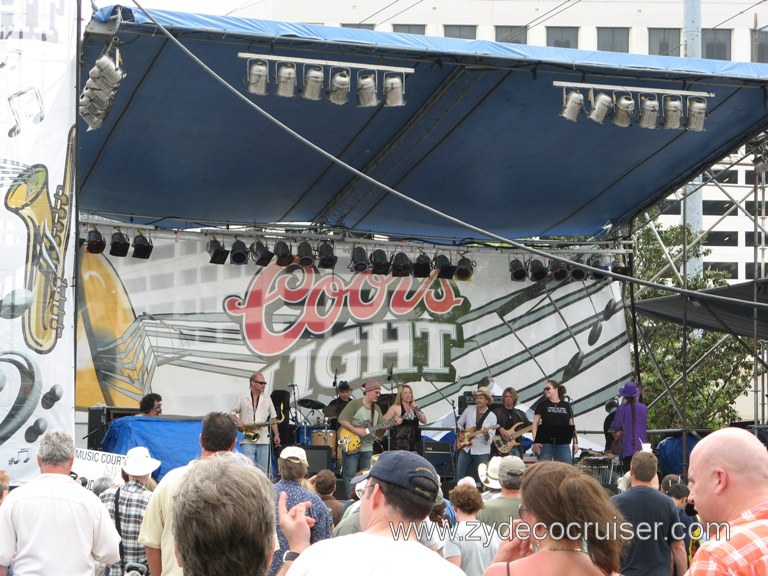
728	480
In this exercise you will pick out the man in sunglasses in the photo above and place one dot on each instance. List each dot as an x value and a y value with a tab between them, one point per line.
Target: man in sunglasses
255	414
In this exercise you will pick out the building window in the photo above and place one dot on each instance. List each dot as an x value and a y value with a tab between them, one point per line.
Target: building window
722	238
731	269
670	207
613	39
512	34
359	26
464	31
760	46
664	41
716	44
409	28
749	178
749	206
749	239
749	270
717	207
563	36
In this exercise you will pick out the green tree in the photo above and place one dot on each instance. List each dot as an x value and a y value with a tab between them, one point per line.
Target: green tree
711	388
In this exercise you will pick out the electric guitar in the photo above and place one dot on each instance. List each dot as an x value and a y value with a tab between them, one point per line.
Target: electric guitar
351	442
505	446
465	436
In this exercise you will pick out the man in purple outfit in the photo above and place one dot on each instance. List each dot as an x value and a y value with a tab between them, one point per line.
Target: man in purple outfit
630	423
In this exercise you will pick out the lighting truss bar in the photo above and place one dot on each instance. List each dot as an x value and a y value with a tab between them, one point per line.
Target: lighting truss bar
614	88
356	65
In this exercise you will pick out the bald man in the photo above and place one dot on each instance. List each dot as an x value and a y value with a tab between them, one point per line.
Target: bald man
728	480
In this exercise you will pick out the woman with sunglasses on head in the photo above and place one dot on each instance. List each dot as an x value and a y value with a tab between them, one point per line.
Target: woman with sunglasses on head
403	436
566	526
553	426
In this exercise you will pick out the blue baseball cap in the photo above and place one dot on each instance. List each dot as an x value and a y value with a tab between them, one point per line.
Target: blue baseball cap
400	467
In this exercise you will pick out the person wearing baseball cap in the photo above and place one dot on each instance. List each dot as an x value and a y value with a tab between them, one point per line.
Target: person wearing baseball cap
129	503
508	476
399	492
474	438
335	406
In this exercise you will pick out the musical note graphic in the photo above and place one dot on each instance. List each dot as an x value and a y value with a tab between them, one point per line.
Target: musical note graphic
23	452
26	106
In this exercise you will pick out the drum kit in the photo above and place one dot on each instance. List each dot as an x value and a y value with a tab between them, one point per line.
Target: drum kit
321	434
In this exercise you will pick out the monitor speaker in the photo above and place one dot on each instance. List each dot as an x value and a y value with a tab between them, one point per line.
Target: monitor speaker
439	455
319	458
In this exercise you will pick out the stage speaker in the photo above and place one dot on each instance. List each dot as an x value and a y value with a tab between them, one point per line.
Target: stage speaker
439	455
339	494
319	458
99	419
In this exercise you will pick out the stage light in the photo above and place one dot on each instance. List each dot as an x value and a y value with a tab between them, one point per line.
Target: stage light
379	262
98	93
394	90
96	242
238	253
673	112
600	108
517	270
142	246
359	259
649	111
598	261
537	271
366	90
572	105
286	81
325	256
260	254
618	267
577	272
305	254
258	77
313	83
464	269
558	271
622	113
442	264
339	88
283	253
216	251
697	113
119	245
401	265
422	266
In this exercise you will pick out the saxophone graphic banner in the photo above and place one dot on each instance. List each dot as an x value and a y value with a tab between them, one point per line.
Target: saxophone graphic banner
37	151
194	331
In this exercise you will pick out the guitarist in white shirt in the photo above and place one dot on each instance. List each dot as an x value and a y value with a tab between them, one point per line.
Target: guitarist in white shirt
354	418
507	417
477	422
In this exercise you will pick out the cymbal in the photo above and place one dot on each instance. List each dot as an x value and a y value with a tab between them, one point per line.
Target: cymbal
311	404
330	411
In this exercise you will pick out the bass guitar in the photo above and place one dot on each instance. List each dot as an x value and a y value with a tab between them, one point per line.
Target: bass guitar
465	436
351	442
505	446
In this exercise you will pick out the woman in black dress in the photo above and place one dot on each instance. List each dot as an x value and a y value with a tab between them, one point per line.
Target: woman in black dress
403	436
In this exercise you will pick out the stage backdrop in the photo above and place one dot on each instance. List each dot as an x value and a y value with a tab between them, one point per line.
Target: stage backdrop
194	331
37	111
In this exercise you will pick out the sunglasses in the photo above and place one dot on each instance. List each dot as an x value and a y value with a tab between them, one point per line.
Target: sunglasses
547	389
259	381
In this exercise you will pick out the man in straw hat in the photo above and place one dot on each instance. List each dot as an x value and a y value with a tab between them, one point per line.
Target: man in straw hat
476	425
129	503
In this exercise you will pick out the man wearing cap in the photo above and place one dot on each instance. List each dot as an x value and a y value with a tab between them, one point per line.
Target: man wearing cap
51	524
400	490
338	404
501	511
293	465
630	425
480	419
360	417
132	500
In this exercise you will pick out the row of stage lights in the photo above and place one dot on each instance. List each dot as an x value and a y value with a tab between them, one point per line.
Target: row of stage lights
618	103
119	244
537	270
100	89
314	85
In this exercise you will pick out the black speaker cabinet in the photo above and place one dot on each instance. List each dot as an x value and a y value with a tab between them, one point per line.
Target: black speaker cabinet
99	419
319	458
439	455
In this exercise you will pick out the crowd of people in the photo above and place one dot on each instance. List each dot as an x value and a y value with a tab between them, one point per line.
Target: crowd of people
221	514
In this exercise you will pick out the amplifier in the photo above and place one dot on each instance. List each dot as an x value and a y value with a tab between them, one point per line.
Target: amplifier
99	418
318	458
468	399
439	455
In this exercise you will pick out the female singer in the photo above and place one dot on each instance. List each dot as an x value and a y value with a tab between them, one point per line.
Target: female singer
556	414
570	520
403	436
